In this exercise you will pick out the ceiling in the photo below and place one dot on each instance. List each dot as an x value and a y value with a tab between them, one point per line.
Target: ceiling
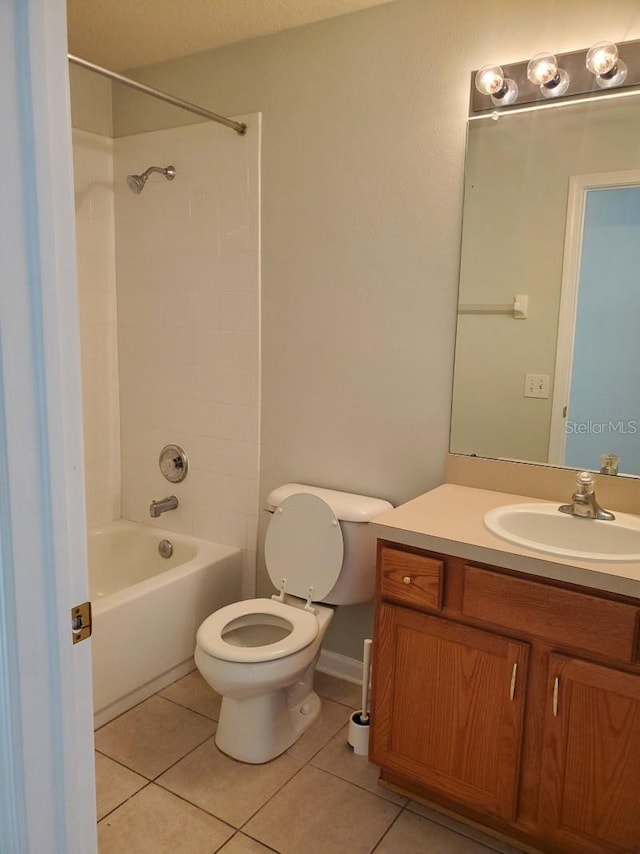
121	35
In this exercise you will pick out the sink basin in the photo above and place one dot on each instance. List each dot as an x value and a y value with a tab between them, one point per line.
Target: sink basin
543	528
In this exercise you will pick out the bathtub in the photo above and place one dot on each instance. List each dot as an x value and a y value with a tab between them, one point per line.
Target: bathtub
146	608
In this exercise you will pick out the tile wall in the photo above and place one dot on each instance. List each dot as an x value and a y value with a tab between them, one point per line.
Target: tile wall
188	276
95	234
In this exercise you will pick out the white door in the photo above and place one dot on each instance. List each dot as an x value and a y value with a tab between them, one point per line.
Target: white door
604	398
47	791
597	299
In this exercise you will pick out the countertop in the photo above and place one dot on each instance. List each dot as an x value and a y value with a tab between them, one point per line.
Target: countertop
449	520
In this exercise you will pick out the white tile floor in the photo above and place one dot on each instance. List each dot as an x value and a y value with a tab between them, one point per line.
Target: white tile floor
163	786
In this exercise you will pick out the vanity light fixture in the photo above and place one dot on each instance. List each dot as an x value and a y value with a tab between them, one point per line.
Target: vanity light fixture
603	61
577	76
490	80
543	71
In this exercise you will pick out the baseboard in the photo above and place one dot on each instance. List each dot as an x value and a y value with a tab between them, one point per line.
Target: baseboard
340	666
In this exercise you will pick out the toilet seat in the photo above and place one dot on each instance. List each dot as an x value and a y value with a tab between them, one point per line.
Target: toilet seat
304	630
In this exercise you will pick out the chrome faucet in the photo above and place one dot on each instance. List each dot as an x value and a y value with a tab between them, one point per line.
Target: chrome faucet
609	464
583	500
158	507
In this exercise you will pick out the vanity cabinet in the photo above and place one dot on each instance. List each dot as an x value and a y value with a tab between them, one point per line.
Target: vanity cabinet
590	768
449	698
510	699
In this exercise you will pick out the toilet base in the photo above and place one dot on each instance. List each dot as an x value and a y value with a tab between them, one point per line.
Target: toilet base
258	729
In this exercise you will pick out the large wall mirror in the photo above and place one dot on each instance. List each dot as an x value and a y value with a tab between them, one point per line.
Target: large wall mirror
551	212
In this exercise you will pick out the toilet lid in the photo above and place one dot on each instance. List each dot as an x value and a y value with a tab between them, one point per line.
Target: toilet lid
304	545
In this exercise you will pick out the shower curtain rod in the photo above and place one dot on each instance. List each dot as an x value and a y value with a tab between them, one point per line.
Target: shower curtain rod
238	127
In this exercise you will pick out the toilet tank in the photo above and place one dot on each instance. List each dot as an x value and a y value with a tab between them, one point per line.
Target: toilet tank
357	579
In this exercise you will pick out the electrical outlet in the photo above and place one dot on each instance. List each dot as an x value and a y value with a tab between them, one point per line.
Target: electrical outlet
536	385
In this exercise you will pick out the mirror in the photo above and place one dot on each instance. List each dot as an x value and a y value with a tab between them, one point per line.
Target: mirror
551	212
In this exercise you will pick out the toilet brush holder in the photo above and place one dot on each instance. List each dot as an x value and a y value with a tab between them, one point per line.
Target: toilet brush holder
358	734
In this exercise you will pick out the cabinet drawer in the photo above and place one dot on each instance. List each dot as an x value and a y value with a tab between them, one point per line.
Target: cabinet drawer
411	578
563	617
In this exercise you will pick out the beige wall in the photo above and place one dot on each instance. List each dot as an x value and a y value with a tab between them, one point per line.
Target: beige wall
91	106
363	153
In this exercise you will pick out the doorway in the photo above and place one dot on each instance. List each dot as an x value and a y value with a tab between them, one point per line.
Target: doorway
596	405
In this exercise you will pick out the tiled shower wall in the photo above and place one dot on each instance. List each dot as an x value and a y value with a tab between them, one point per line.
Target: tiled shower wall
93	179
187	260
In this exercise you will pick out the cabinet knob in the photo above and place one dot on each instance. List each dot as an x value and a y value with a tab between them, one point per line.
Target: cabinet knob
406	579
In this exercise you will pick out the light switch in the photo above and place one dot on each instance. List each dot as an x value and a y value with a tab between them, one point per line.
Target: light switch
536	385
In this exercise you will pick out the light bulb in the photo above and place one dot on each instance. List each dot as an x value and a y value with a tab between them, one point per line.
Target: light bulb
542	68
543	71
602	60
490	80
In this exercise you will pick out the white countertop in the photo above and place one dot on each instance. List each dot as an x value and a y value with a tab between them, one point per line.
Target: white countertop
449	520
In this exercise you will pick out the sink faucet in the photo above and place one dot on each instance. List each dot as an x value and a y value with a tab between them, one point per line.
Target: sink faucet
609	464
583	500
158	507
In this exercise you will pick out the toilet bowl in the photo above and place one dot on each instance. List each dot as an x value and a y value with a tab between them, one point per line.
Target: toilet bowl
260	654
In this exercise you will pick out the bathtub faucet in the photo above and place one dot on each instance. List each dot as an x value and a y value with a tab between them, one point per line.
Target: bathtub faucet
158	507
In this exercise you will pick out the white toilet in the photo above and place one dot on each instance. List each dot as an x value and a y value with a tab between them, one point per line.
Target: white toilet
260	654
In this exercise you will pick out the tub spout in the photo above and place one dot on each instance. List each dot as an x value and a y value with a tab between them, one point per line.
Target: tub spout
158	507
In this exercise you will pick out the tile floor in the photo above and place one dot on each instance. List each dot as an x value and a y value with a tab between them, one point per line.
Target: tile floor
163	786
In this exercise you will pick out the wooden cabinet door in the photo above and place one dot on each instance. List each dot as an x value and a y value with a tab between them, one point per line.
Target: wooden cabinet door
448	707
590	800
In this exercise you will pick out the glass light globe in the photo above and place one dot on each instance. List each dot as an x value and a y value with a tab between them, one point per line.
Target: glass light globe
559	88
602	60
602	57
542	68
490	80
544	72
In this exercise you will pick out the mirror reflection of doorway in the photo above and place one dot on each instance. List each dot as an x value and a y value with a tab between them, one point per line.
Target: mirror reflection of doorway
598	378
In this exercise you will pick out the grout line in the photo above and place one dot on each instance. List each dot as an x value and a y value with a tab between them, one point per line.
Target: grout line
126	800
248	836
157	694
464	831
123	765
319	750
377	845
164	770
117	717
270	798
206	812
188	708
358	786
173	764
197	807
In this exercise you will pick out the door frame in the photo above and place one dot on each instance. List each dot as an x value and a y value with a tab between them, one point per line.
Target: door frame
576	206
47	783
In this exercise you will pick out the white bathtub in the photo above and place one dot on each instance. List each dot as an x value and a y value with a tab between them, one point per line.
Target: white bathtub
146	609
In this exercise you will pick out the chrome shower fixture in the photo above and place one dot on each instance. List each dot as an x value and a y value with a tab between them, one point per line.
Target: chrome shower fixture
136	182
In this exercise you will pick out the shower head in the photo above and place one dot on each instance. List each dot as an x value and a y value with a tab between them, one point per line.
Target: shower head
136	182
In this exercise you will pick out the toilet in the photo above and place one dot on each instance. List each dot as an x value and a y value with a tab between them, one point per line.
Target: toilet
260	654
